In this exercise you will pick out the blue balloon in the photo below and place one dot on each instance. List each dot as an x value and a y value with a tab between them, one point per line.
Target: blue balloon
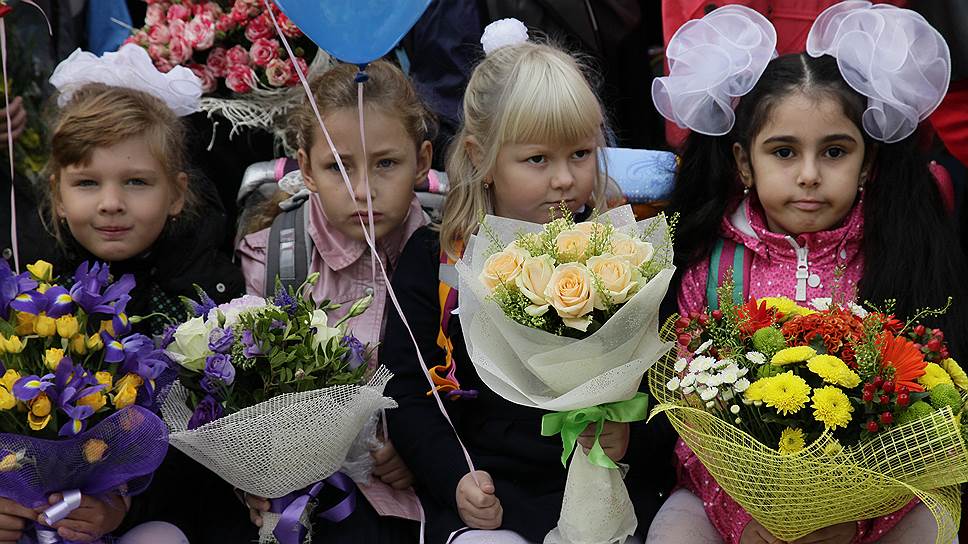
354	31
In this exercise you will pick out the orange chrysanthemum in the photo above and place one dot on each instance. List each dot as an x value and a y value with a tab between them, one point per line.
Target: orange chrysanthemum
907	361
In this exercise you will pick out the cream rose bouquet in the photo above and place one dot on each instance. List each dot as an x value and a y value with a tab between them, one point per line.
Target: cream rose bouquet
565	317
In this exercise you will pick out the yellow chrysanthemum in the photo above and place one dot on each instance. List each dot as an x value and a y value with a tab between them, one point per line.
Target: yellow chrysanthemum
791	440
831	407
786	392
789	356
957	374
934	375
754	392
833	370
785	306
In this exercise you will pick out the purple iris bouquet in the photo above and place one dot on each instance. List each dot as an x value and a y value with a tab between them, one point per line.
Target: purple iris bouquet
78	389
271	396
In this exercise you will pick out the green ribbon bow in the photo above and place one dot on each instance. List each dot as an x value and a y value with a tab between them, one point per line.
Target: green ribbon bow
571	424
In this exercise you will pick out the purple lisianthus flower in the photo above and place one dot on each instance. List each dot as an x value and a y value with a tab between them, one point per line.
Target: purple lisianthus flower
208	410
221	340
285	301
168	337
219	367
356	355
250	345
276	324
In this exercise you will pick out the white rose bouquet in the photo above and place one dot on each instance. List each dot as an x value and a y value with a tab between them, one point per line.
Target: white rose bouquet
565	317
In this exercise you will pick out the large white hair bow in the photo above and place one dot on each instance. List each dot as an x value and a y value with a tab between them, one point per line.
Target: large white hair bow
712	62
130	67
890	55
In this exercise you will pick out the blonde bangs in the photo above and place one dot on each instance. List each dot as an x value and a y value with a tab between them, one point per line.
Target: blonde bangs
549	102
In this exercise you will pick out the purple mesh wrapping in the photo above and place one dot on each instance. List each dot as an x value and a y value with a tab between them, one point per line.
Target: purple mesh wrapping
135	442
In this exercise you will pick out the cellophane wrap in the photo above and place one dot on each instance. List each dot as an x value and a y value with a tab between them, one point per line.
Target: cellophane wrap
793	495
539	369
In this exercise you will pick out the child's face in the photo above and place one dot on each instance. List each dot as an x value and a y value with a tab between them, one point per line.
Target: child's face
530	179
394	165
805	165
117	205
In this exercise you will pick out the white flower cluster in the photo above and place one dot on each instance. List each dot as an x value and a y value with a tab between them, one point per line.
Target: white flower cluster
824	304
708	377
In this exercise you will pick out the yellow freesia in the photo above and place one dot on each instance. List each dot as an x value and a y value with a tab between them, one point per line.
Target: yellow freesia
53	358
94	342
104	378
41	271
126	390
25	323
78	344
7	400
95	400
45	326
10	378
40	412
67	326
12	344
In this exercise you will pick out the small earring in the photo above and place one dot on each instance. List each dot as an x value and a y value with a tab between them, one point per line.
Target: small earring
860	189
746	190
487	184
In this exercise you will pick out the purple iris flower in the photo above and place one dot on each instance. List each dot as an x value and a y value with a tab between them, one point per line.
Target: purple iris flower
137	354
252	347
12	285
285	301
72	382
221	340
90	280
208	410
56	302
219	367
356	355
76	424
28	387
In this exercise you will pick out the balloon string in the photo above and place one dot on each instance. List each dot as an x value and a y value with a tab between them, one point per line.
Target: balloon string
366	182
369	239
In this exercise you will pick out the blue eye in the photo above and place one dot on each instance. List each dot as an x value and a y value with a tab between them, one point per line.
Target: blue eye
385	163
536	159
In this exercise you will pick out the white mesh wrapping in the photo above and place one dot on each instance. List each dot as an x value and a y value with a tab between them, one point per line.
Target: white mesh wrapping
283	444
713	61
539	369
890	55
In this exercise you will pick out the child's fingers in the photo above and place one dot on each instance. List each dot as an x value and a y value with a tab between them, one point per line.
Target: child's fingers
15	511
255	502
76	536
400	474
10	537
480	500
255	517
481	520
384	454
76	527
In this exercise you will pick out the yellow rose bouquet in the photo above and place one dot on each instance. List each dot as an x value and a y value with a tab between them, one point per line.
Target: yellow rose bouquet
810	417
78	392
564	317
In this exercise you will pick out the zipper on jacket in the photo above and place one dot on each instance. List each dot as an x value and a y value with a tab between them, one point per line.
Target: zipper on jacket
803	270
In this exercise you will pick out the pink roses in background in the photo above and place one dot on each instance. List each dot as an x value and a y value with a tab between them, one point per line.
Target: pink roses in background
222	41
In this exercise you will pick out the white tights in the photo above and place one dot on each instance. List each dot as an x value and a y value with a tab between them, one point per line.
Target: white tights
682	520
154	532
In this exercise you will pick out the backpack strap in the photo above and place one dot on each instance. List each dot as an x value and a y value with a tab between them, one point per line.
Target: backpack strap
445	376
289	250
728	261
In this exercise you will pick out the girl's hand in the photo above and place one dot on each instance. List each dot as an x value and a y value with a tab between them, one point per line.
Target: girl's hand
754	533
479	507
91	520
18	120
614	439
13	519
257	505
841	533
389	467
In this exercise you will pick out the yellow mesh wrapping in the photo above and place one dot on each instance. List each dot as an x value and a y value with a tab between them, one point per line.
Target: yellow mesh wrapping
796	494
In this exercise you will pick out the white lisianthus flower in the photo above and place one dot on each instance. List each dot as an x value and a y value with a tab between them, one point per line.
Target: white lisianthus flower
680	365
189	346
672	384
703	347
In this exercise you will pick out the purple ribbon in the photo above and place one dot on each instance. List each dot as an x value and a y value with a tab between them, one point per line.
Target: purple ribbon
289	530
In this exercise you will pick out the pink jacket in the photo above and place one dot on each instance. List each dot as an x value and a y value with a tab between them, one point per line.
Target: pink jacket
345	276
777	259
